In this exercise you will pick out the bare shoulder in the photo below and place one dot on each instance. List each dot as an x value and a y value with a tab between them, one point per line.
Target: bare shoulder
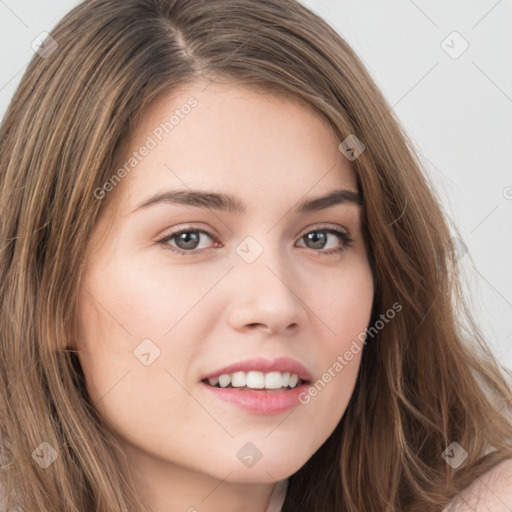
492	492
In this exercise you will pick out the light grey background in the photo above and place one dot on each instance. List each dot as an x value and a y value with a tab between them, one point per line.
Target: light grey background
458	112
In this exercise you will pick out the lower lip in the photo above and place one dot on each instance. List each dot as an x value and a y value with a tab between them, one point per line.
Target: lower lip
260	402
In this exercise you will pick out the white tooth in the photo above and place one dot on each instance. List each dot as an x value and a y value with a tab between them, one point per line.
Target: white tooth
273	380
255	380
286	379
213	381
294	379
224	380
238	379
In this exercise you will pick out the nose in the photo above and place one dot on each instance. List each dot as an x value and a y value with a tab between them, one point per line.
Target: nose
266	297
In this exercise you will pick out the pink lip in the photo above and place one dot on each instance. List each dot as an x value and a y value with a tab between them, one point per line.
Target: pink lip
259	364
264	402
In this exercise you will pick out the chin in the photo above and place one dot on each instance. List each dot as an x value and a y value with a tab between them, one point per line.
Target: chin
270	470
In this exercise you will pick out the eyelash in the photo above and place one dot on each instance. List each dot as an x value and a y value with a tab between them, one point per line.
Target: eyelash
342	235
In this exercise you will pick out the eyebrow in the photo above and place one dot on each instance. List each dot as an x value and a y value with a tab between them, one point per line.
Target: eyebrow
229	203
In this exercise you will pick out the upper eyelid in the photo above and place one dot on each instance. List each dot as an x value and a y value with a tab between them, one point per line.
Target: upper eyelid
207	230
213	234
203	231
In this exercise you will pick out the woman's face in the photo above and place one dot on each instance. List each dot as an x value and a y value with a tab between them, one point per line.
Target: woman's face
219	257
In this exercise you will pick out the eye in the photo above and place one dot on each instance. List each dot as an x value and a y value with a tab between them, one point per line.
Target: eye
327	238
186	241
191	241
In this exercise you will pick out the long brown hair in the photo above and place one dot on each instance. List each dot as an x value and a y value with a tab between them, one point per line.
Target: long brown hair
427	378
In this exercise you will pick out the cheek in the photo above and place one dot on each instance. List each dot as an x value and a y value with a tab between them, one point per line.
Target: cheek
343	302
138	322
343	305
139	298
153	296
132	377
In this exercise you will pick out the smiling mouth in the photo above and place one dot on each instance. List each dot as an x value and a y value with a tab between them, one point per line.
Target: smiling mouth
256	381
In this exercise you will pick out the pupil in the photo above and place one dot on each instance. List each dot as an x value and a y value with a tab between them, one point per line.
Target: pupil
318	241
188	240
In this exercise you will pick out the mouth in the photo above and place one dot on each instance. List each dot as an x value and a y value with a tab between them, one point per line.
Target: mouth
273	381
259	385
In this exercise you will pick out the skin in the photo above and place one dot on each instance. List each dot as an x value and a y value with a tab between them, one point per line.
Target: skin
490	492
214	309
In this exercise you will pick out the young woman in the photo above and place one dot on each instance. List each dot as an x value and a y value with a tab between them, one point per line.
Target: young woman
226	283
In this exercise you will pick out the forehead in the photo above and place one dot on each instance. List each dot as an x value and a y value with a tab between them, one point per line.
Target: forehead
256	143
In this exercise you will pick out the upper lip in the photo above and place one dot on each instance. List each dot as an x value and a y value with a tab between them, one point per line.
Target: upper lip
260	364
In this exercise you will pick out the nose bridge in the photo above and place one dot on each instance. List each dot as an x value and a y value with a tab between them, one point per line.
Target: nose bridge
267	293
263	264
